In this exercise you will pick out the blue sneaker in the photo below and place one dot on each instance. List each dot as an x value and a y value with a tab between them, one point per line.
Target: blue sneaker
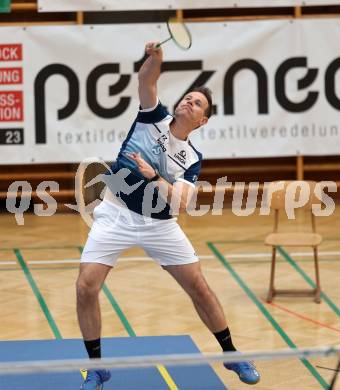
95	379
246	371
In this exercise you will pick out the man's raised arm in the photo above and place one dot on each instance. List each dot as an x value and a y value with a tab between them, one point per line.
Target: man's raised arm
149	74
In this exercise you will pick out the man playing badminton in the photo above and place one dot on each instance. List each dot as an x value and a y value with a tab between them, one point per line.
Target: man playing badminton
163	167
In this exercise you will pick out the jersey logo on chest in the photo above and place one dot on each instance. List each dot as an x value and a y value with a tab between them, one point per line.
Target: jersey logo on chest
181	156
160	141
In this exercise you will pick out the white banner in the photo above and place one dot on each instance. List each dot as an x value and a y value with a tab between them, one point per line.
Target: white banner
134	5
67	93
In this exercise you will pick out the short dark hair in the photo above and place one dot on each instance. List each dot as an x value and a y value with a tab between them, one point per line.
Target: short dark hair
207	93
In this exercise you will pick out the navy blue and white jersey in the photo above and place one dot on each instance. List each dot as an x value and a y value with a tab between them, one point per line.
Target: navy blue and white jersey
174	159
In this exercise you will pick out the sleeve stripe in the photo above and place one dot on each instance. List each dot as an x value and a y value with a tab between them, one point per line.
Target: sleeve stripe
150	109
152	115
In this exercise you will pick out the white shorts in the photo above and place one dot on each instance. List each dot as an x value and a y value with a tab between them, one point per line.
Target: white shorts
116	229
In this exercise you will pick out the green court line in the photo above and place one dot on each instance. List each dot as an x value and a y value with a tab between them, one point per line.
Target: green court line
119	312
266	313
38	294
116	307
293	263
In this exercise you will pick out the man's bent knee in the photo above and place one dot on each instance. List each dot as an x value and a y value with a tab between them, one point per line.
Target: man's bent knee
90	280
86	291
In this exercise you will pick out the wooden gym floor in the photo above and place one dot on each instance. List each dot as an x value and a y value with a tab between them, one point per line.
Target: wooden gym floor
38	269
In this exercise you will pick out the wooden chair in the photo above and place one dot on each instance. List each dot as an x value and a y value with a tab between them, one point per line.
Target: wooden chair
279	202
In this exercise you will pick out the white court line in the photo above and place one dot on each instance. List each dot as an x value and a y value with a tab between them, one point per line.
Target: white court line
72	261
259	255
246	255
330	253
65	261
203	257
